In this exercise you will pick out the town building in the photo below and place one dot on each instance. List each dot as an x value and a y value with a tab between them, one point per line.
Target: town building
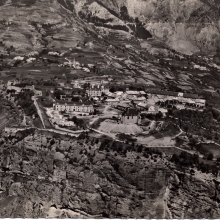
33	89
36	91
77	92
95	99
142	106
11	97
14	89
131	116
137	99
153	109
71	107
162	96
129	92
13	82
97	90
67	98
94	91
18	89
119	93
122	106
2	86
112	102
111	95
76	84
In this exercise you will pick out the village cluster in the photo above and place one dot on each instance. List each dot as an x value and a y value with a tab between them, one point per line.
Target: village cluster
81	98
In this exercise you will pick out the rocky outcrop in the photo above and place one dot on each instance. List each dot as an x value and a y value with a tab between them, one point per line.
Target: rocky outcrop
72	178
190	197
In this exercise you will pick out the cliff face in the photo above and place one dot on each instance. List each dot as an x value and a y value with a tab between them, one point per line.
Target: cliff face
46	176
187	26
190	197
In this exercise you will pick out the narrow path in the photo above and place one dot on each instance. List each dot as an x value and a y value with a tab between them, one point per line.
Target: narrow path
93	120
181	131
106	109
188	151
67	132
216	109
100	132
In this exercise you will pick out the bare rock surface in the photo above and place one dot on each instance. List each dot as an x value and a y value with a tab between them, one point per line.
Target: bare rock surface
74	180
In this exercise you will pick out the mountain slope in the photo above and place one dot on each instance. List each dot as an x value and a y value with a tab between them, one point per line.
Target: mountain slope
33	25
188	26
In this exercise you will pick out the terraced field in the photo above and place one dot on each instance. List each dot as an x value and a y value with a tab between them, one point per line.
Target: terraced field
3	121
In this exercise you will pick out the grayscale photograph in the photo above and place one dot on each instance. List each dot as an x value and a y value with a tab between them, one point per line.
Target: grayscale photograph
110	109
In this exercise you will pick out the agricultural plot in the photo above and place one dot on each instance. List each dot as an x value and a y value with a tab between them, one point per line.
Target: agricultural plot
41	72
213	148
3	121
110	126
86	57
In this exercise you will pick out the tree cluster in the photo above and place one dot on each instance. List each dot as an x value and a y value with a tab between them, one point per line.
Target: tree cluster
186	160
203	123
27	104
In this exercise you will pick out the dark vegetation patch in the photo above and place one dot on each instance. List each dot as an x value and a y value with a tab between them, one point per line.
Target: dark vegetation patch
2	2
126	137
140	31
110	10
66	4
23	3
186	160
97	123
212	4
124	14
110	145
208	149
27	104
202	123
102	22
37	123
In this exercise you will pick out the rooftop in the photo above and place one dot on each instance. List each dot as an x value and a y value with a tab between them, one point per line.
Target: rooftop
142	92
132	92
125	105
112	100
118	93
162	92
67	96
141	104
135	98
188	95
171	93
60	102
